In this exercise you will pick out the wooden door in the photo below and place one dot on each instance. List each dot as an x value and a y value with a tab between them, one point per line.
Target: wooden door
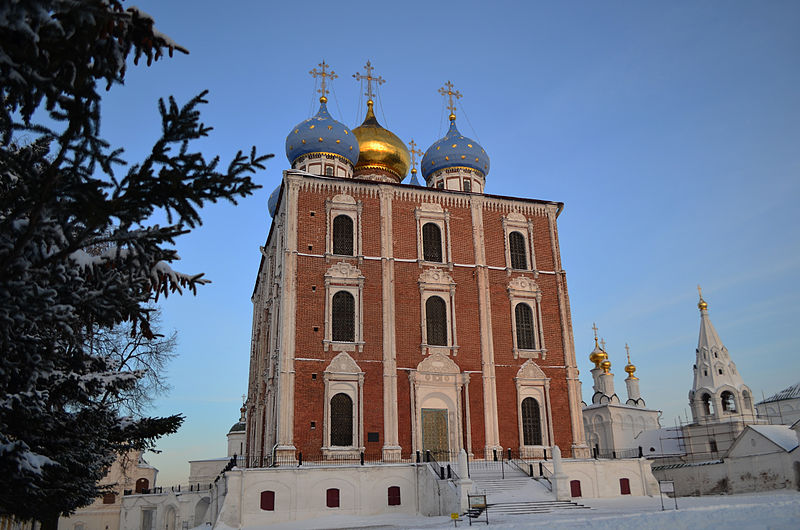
434	433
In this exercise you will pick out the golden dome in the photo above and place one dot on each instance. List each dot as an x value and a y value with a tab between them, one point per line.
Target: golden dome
630	368
606	366
702	305
598	356
380	148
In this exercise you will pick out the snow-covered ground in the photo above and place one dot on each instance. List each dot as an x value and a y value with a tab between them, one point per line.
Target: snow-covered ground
774	510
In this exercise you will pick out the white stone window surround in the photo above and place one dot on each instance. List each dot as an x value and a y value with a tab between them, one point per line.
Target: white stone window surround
344	376
437	282
433	213
532	382
343	205
523	290
516	222
343	276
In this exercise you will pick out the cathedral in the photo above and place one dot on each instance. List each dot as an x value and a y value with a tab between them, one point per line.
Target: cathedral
394	318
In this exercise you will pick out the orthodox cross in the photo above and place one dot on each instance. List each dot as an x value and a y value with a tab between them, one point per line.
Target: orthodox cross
447	90
378	80
324	75
628	351
414	154
603	344
700	291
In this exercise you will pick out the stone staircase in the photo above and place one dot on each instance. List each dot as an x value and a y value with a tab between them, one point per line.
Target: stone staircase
509	491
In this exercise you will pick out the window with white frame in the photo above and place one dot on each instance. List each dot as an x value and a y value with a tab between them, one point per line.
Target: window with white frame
437	305
533	412
343	214
518	231
526	318
343	409
344	285
433	234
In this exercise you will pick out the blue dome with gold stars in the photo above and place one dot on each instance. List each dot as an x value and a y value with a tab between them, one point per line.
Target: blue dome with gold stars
454	150
321	134
272	202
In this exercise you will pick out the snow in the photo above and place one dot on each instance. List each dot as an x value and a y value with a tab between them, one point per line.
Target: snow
774	510
664	442
780	435
787	393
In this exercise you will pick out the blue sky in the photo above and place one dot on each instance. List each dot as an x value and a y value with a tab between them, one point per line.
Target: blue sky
671	132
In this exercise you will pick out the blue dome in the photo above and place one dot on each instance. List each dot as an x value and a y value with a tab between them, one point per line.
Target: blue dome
454	150
272	202
321	134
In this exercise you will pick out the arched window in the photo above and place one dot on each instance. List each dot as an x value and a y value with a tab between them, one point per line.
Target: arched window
728	402
575	488
268	500
708	406
343	317
531	422
516	247
341	420
524	320
394	495
332	498
746	400
431	242
436	321
142	485
343	235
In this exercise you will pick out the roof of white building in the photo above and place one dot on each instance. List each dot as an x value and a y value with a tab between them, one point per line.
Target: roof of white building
787	393
780	435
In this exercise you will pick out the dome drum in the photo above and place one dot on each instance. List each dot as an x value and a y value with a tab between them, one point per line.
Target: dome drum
328	164
457	178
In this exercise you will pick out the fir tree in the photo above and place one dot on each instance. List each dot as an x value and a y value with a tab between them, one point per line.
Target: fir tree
63	195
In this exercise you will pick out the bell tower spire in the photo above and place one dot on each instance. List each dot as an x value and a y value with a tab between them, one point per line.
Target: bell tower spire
718	391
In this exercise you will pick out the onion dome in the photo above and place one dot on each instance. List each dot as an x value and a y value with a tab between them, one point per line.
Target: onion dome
321	134
598	355
272	202
630	367
455	150
702	305
380	149
606	366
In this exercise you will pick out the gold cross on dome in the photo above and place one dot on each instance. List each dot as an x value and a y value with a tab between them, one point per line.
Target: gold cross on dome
603	344
369	78
414	154
700	291
628	351
447	90
324	75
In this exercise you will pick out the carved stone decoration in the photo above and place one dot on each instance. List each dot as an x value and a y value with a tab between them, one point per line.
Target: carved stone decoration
522	284
435	276
343	364
343	199
430	207
516	217
343	270
530	370
439	364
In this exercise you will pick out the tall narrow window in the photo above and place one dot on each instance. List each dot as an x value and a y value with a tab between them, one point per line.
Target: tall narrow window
343	235
394	495
431	242
332	498
341	420
524	321
436	321
708	407
516	247
467	185
531	422
343	317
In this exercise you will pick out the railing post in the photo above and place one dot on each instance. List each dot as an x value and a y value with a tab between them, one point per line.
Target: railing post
300	459
530	469
509	453
545	454
614	454
640	452
449	472
427	455
441	472
541	469
594	452
494	451
362	458
419	457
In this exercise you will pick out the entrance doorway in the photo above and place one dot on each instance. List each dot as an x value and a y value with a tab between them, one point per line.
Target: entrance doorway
434	433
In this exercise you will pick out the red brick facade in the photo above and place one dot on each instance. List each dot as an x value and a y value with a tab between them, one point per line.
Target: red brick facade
288	373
